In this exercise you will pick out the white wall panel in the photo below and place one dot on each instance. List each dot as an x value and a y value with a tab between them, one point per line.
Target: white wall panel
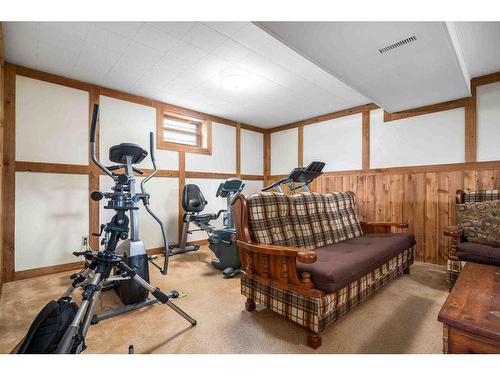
252	186
252	152
488	122
51	218
121	122
336	142
51	122
163	192
284	151
209	188
223	158
435	138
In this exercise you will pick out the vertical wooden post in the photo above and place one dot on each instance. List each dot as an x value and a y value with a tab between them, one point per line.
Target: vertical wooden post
238	150
300	153
267	156
9	173
365	147
1	148
94	175
470	126
182	182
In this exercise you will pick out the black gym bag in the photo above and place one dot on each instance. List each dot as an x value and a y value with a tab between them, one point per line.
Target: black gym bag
48	327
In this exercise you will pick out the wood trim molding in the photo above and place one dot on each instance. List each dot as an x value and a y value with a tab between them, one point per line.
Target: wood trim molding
325	117
365	142
9	175
238	151
485	80
29	166
51	78
267	155
439	107
470	127
2	67
300	151
94	176
182	182
478	166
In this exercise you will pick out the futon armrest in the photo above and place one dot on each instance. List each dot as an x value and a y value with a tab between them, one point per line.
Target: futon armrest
454	231
277	266
302	255
381	226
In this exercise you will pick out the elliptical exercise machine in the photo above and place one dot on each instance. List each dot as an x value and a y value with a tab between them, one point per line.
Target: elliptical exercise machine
298	178
221	241
124	266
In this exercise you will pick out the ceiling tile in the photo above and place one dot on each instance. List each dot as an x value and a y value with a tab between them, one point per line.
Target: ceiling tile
204	37
126	29
55	60
21	43
155	38
226	28
106	39
231	51
175	29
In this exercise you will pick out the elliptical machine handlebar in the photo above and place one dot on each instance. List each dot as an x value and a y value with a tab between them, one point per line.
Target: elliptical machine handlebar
166	250
95	115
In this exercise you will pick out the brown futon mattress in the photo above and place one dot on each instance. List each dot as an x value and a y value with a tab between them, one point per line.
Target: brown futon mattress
343	262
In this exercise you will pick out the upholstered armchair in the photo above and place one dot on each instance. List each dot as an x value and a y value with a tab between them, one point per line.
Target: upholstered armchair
476	237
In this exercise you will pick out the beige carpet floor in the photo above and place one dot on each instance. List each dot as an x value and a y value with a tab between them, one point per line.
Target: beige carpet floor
399	318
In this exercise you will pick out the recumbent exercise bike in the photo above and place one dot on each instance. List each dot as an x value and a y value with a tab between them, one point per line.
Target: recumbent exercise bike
221	241
61	326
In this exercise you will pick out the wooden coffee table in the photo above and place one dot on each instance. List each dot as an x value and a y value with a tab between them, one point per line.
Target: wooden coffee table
471	313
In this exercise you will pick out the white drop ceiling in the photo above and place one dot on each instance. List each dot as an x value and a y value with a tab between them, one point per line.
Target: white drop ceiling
191	64
433	68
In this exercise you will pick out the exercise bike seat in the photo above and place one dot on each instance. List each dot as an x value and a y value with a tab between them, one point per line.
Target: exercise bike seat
192	199
118	153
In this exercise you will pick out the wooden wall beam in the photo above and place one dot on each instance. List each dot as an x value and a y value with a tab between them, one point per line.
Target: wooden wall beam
300	151
365	145
38	167
94	176
182	182
445	106
267	155
9	174
238	150
470	127
325	117
2	66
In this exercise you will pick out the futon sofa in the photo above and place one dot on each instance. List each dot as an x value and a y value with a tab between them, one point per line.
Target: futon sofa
307	256
476	237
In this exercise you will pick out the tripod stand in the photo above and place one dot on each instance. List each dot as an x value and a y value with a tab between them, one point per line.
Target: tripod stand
126	265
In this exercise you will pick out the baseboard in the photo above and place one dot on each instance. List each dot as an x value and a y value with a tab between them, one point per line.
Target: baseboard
49	270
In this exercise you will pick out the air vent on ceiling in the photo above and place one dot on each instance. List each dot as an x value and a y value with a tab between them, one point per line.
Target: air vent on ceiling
398	44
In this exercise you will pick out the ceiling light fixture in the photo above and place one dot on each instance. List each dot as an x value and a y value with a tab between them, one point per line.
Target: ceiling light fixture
237	79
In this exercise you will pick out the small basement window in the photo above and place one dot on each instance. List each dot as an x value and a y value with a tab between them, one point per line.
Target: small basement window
179	132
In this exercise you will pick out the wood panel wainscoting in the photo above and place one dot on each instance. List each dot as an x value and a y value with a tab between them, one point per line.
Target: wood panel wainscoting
422	196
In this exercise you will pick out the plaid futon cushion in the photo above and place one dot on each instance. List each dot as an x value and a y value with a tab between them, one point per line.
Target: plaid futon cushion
307	220
481	195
